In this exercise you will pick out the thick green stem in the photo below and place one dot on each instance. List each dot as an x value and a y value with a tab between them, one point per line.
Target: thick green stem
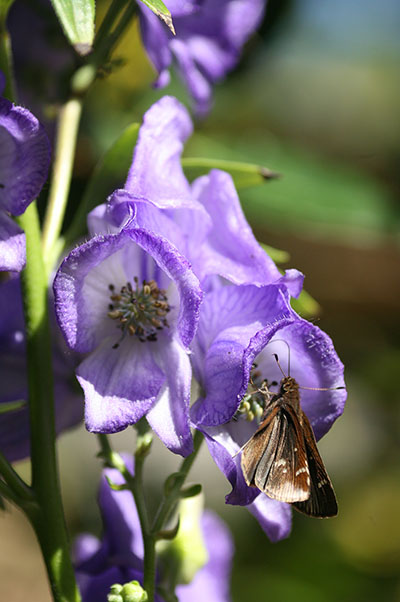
48	522
61	177
171	499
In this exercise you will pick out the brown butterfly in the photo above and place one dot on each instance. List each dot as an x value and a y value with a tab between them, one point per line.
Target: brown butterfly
281	458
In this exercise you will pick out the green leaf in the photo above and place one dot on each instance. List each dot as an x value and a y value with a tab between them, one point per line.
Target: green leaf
161	11
4	8
245	175
276	255
12	406
110	173
77	20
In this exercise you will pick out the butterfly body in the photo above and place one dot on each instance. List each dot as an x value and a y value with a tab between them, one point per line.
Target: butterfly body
282	460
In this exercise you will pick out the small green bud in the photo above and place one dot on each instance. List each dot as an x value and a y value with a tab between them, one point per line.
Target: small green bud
129	592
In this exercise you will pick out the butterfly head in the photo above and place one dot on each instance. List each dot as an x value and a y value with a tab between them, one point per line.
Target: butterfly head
289	385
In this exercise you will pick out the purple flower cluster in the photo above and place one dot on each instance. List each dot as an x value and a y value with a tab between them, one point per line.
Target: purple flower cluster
24	163
118	557
173	280
207	45
14	425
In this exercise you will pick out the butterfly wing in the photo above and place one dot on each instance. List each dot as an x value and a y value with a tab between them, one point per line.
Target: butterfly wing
322	501
274	460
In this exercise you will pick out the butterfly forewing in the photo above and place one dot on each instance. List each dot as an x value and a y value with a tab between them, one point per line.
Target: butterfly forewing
274	459
322	501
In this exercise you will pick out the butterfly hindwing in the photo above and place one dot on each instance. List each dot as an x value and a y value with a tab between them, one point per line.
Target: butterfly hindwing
288	478
322	501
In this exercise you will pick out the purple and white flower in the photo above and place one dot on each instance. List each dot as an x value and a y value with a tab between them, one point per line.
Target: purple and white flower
131	302
118	557
24	163
243	326
207	45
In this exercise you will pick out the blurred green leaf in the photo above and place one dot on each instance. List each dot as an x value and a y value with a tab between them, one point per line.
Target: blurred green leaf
306	305
161	11
110	173
245	175
4	8
77	20
318	196
276	255
11	406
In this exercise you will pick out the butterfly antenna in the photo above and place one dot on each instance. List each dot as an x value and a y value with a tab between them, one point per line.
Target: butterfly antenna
277	361
288	346
322	389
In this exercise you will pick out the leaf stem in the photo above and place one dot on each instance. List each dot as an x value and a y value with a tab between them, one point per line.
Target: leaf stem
67	133
170	500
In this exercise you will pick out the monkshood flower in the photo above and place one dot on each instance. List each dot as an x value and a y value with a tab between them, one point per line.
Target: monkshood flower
209	38
14	425
24	162
240	329
131	302
118	557
204	220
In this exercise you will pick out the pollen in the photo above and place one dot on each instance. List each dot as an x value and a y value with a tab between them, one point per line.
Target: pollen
139	310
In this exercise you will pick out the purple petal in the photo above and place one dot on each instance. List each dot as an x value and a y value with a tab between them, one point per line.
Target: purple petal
12	245
156	172
231	249
275	518
120	385
120	518
235	325
24	157
169	417
223	448
209	37
211	583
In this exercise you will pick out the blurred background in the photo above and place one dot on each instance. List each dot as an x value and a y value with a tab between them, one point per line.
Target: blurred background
315	98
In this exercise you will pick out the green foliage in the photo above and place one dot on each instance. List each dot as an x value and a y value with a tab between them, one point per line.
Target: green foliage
158	7
77	20
245	175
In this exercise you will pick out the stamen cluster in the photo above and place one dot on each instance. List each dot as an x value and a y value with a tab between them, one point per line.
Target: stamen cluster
253	403
139	311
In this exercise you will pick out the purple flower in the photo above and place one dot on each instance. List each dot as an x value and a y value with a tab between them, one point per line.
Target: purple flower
14	425
245	325
209	38
24	162
204	220
118	557
131	302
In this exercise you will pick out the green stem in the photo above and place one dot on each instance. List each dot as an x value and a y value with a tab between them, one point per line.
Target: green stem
9	494
171	499
135	484
14	481
48	522
106	25
61	177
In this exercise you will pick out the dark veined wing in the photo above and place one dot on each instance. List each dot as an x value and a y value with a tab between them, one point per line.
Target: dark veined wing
274	460
322	501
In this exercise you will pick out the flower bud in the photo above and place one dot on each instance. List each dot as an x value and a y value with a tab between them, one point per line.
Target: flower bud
129	592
